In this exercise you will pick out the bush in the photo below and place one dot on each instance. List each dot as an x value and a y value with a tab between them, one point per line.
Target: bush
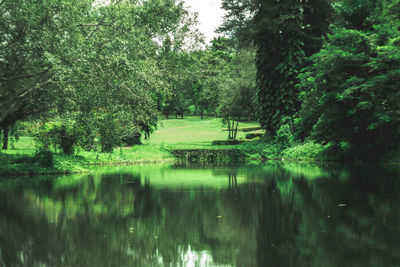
59	135
132	139
284	134
306	151
45	158
263	149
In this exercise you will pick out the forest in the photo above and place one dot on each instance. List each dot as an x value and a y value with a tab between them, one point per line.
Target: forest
321	77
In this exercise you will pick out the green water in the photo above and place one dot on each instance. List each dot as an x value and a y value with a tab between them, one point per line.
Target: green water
272	215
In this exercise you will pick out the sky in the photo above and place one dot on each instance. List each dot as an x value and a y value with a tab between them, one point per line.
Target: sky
210	15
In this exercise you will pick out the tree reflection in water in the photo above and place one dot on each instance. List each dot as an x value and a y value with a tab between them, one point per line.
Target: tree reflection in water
276	215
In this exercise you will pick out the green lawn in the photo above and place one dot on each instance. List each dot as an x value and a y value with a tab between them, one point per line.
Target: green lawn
192	131
188	133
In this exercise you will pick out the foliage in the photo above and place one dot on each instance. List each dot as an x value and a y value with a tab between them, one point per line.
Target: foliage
284	32
87	60
350	92
284	135
45	158
59	135
306	151
238	90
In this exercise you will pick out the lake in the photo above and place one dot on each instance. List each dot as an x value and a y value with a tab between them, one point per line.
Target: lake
278	214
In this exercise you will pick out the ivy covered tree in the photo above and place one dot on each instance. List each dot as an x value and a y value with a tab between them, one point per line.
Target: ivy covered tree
284	32
280	56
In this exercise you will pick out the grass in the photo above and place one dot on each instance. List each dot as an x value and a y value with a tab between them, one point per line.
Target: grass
188	133
193	131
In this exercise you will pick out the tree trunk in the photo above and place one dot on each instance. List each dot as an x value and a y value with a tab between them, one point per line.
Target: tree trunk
5	137
236	129
202	114
229	129
182	116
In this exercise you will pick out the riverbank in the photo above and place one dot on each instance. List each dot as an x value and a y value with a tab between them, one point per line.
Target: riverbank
176	141
18	163
173	134
28	162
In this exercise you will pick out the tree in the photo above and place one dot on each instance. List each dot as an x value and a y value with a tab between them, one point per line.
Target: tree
283	33
350	90
280	56
86	62
28	88
209	63
178	64
237	83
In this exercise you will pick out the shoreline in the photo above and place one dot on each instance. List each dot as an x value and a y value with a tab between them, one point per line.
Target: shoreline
26	165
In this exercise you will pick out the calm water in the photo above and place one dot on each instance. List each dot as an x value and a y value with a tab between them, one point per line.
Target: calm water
274	215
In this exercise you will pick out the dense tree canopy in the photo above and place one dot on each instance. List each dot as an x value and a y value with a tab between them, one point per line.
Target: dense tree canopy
350	91
96	63
97	74
284	32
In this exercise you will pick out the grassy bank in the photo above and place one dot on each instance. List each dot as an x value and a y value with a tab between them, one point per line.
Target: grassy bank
22	161
169	143
173	134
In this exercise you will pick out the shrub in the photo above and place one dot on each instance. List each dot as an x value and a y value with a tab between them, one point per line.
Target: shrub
306	151
45	158
284	134
131	139
59	135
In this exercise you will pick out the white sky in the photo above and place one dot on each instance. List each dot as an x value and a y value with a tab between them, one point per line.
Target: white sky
210	15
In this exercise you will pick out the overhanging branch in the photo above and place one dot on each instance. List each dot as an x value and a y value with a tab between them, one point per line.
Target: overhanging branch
24	76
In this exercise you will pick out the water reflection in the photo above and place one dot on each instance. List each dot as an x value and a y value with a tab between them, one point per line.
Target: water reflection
274	215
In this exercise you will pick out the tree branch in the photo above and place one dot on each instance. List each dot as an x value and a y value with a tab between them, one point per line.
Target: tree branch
15	39
95	29
24	76
93	24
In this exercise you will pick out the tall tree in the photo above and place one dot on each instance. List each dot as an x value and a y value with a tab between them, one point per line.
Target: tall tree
284	32
90	61
31	33
350	94
280	55
237	90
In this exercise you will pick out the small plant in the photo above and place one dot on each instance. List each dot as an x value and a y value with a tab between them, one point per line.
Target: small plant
306	151
284	135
